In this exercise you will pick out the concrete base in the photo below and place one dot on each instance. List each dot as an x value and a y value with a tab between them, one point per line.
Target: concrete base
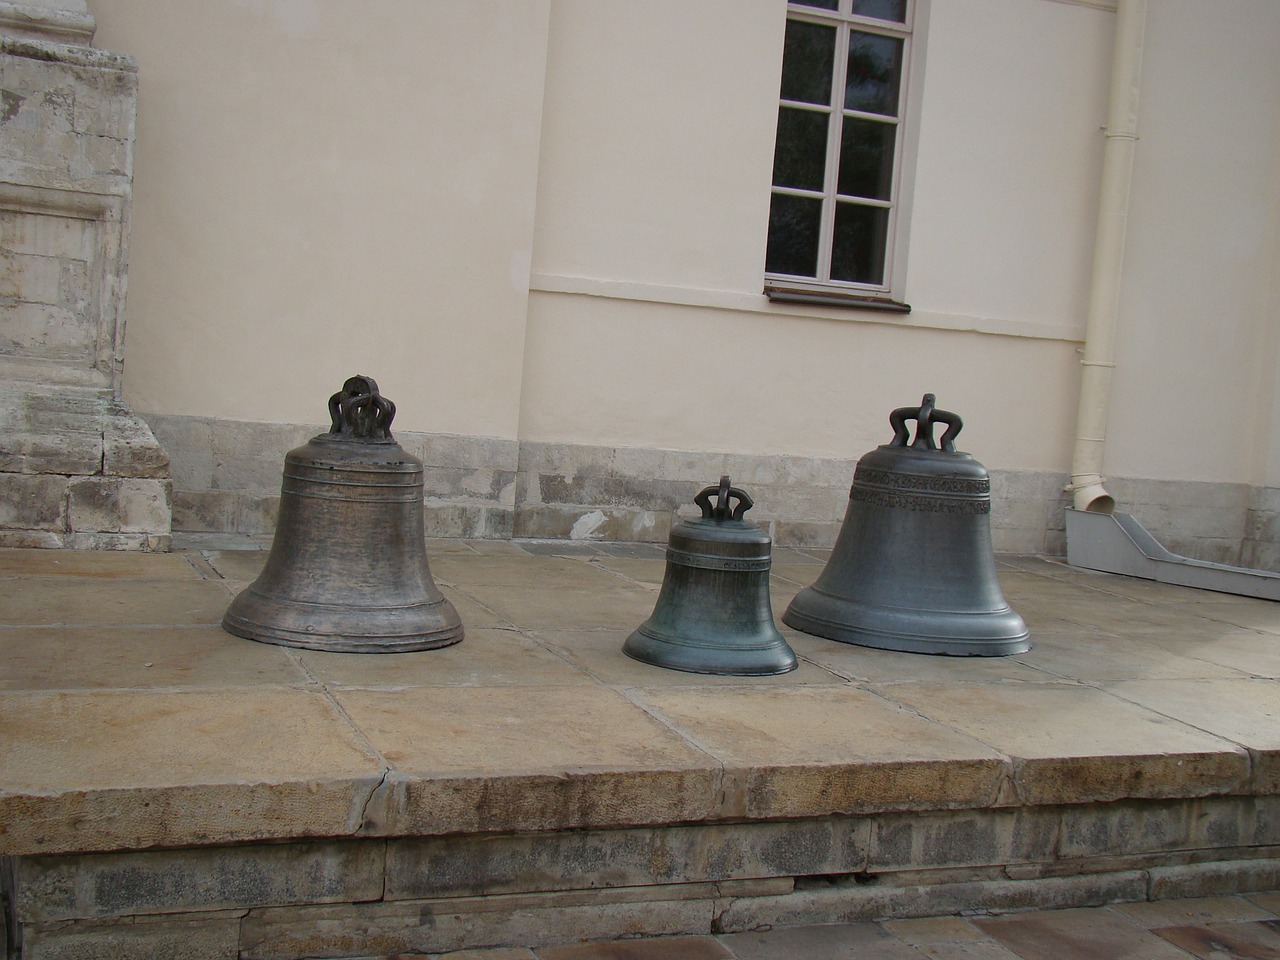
164	783
1118	543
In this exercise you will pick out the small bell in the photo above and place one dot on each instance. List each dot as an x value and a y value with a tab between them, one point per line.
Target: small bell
913	568
713	614
348	567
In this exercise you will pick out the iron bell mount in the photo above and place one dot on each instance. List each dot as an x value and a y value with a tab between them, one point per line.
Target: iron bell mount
348	568
913	568
713	614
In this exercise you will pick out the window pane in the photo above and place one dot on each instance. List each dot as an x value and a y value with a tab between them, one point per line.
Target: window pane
824	4
800	153
866	159
807	60
875	66
857	251
895	10
793	235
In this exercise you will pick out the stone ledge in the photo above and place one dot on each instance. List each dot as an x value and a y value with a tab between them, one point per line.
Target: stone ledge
163	778
290	904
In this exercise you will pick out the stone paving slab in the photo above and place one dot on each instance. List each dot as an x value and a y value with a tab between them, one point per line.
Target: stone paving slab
126	769
139	658
816	751
1071	743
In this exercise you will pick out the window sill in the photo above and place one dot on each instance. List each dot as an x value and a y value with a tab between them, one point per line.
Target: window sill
833	298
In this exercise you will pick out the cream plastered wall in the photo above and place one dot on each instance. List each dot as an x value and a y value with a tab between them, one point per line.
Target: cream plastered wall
647	324
1194	392
324	188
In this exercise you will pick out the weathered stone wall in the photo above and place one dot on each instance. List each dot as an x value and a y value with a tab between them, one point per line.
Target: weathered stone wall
227	480
77	468
226	476
1262	532
340	898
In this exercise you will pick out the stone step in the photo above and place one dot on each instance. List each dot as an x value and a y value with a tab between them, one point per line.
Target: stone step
162	779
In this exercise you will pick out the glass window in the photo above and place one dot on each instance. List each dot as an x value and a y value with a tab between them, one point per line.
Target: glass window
839	144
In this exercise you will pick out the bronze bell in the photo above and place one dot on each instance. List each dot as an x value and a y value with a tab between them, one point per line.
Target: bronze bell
713	613
348	567
913	568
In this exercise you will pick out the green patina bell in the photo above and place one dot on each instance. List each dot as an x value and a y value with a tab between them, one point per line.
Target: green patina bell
713	613
913	568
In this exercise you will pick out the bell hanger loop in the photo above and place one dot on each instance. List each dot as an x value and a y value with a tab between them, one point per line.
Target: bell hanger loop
723	494
925	416
359	412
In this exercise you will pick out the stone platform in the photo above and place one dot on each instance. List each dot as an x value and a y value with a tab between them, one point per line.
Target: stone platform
169	790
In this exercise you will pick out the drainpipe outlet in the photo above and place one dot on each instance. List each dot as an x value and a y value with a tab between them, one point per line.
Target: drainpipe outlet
1088	495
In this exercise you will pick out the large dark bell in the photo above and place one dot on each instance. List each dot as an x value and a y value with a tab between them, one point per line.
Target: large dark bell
713	613
913	568
348	566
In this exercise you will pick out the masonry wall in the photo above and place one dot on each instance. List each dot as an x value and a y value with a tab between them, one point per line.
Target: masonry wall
544	246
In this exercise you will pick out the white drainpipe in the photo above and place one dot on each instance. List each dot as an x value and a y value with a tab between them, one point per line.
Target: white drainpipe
1108	260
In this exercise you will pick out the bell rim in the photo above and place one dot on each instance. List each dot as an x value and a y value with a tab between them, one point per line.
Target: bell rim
683	668
407	642
850	631
642	637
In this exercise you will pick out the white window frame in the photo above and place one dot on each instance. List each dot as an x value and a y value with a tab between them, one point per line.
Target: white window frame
823	289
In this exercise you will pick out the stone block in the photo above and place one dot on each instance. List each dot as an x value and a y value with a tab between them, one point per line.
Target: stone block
155	543
238	473
438	926
700	468
839	758
442	483
1019	540
1133	828
131	450
202	879
182	435
964	838
499	523
878	898
605	492
443	518
802	533
227	776
475	865
568	522
460	452
748	470
204	510
1261	555
256	514
1216	879
40	539
104	157
233	440
107	108
1114	750
640	463
36	502
566	459
210	938
116	505
68	454
1265	499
